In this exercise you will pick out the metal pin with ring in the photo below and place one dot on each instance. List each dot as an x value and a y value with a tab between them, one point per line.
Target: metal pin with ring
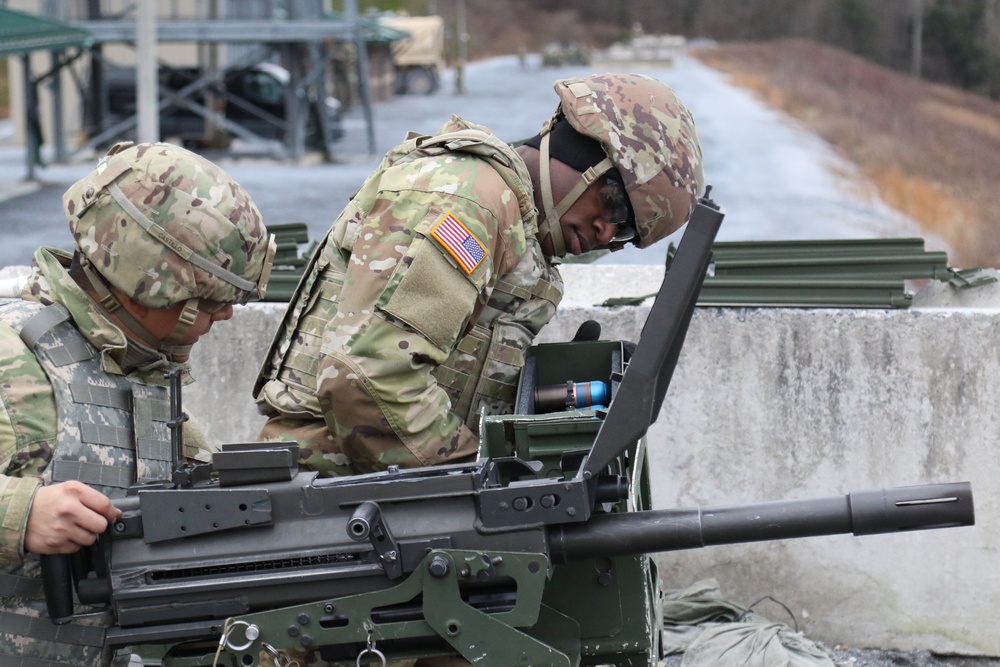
370	649
251	633
280	659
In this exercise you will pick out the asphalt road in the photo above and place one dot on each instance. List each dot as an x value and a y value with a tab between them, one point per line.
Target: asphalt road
776	180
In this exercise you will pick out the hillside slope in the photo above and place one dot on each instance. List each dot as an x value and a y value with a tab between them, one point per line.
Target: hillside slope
931	150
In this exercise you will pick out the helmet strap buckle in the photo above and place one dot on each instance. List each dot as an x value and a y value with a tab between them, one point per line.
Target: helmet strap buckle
187	318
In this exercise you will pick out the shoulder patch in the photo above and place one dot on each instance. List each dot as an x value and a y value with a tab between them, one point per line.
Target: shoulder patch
459	242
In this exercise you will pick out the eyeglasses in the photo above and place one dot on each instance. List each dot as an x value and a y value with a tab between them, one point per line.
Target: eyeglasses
618	210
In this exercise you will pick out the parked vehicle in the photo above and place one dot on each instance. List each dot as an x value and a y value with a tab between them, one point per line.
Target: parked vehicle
260	90
557	54
419	58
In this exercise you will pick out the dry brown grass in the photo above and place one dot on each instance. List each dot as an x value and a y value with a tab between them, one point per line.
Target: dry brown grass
933	152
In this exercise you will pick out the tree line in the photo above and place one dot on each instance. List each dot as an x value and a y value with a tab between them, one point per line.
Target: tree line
952	41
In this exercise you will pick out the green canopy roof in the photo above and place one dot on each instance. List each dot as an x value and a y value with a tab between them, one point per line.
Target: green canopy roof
373	31
23	33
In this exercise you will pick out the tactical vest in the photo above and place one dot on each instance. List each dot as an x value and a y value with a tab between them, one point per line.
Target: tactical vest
481	373
111	432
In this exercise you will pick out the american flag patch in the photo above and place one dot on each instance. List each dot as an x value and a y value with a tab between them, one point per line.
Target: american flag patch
459	242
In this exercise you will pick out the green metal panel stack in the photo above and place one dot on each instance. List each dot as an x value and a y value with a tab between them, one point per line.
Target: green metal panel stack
857	273
853	273
288	263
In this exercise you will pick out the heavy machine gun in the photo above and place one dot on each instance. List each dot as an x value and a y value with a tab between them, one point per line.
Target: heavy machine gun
536	554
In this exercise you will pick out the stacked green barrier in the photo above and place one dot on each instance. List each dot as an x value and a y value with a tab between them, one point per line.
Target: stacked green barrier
289	263
854	273
859	273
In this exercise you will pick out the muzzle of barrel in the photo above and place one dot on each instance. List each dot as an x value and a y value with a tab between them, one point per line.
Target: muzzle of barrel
904	508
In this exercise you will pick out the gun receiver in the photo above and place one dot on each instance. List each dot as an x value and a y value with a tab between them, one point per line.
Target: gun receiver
536	554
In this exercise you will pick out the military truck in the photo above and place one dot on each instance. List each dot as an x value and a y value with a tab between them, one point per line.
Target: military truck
557	54
419	58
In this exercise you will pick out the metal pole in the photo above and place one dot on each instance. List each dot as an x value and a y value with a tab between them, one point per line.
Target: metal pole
318	53
58	131
31	140
147	92
294	118
351	14
463	48
209	59
916	46
94	108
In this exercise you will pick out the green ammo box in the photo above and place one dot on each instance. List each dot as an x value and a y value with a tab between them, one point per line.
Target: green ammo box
532	435
615	602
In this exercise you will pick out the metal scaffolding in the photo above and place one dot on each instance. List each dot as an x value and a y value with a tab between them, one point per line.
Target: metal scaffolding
301	44
301	40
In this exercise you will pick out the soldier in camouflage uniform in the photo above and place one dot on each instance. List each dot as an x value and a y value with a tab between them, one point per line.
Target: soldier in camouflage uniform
414	315
166	243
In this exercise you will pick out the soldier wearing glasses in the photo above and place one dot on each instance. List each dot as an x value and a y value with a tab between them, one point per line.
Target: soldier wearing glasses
415	313
165	244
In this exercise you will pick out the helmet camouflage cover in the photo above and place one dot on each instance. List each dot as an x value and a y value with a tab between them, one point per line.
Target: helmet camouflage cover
165	225
650	137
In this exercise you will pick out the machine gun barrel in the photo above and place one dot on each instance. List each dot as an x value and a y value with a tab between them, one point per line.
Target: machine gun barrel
870	512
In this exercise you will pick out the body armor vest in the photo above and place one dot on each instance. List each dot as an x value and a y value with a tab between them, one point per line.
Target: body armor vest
481	373
111	433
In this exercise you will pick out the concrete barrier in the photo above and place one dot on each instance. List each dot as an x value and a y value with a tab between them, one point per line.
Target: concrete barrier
771	404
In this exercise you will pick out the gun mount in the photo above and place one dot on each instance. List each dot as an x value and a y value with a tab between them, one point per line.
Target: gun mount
536	554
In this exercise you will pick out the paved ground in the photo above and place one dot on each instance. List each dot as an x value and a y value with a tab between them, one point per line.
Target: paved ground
876	658
775	179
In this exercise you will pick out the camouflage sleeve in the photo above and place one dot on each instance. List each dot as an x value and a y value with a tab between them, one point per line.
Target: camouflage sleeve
24	388
411	288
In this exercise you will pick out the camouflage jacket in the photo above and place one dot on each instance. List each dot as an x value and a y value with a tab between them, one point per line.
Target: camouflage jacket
409	268
26	443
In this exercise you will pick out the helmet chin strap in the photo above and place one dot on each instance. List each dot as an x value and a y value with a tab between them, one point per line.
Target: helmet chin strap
549	226
170	345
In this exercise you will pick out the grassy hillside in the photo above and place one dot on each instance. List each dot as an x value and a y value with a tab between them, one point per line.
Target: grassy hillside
931	150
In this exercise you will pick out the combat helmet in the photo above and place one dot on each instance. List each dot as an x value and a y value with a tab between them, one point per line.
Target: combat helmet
166	226
650	144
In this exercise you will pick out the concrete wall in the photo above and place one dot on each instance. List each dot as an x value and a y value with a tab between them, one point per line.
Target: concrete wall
795	404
